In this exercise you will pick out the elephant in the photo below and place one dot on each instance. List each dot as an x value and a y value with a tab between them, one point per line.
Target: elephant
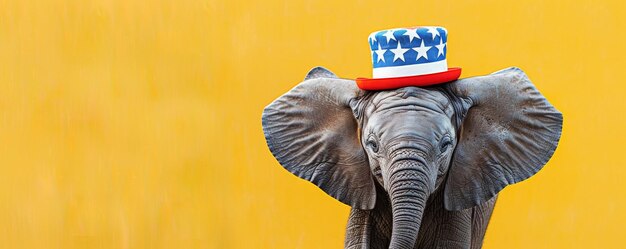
421	167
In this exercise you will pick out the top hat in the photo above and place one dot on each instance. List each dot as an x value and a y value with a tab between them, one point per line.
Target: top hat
409	57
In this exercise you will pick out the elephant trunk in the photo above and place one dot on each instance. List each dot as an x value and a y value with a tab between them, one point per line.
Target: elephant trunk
408	191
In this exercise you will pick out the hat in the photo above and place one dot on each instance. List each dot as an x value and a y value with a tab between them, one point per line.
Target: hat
409	57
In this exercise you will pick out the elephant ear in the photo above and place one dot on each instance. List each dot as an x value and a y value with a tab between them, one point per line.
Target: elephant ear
320	72
312	132
509	132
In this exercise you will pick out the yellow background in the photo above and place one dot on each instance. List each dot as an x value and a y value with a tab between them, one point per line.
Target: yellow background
136	124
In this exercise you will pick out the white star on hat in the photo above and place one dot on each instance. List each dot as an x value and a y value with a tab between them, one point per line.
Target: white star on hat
372	38
412	33
440	47
398	53
445	31
421	51
389	35
433	31
381	53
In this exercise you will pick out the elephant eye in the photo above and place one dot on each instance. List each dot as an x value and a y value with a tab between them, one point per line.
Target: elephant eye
445	143
372	145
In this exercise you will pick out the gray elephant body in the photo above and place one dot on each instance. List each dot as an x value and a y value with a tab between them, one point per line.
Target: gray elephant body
440	228
420	166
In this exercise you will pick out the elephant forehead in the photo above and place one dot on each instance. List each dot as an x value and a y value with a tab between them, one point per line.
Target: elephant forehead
414	98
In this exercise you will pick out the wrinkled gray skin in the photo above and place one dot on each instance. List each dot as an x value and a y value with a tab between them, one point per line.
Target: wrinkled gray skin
421	167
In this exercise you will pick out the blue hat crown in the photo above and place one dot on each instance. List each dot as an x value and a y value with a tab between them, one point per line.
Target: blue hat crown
409	51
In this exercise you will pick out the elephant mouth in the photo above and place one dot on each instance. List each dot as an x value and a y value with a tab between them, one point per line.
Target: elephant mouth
377	172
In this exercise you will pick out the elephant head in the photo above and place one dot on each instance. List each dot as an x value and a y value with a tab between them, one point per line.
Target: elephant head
471	137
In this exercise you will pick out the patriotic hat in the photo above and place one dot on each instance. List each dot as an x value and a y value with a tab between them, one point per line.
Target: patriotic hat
409	57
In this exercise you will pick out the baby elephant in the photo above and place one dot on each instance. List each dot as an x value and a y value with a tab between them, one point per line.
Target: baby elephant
420	166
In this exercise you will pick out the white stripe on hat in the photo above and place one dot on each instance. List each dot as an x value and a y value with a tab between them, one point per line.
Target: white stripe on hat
410	70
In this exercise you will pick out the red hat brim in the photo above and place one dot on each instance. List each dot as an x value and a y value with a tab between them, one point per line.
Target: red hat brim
420	80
